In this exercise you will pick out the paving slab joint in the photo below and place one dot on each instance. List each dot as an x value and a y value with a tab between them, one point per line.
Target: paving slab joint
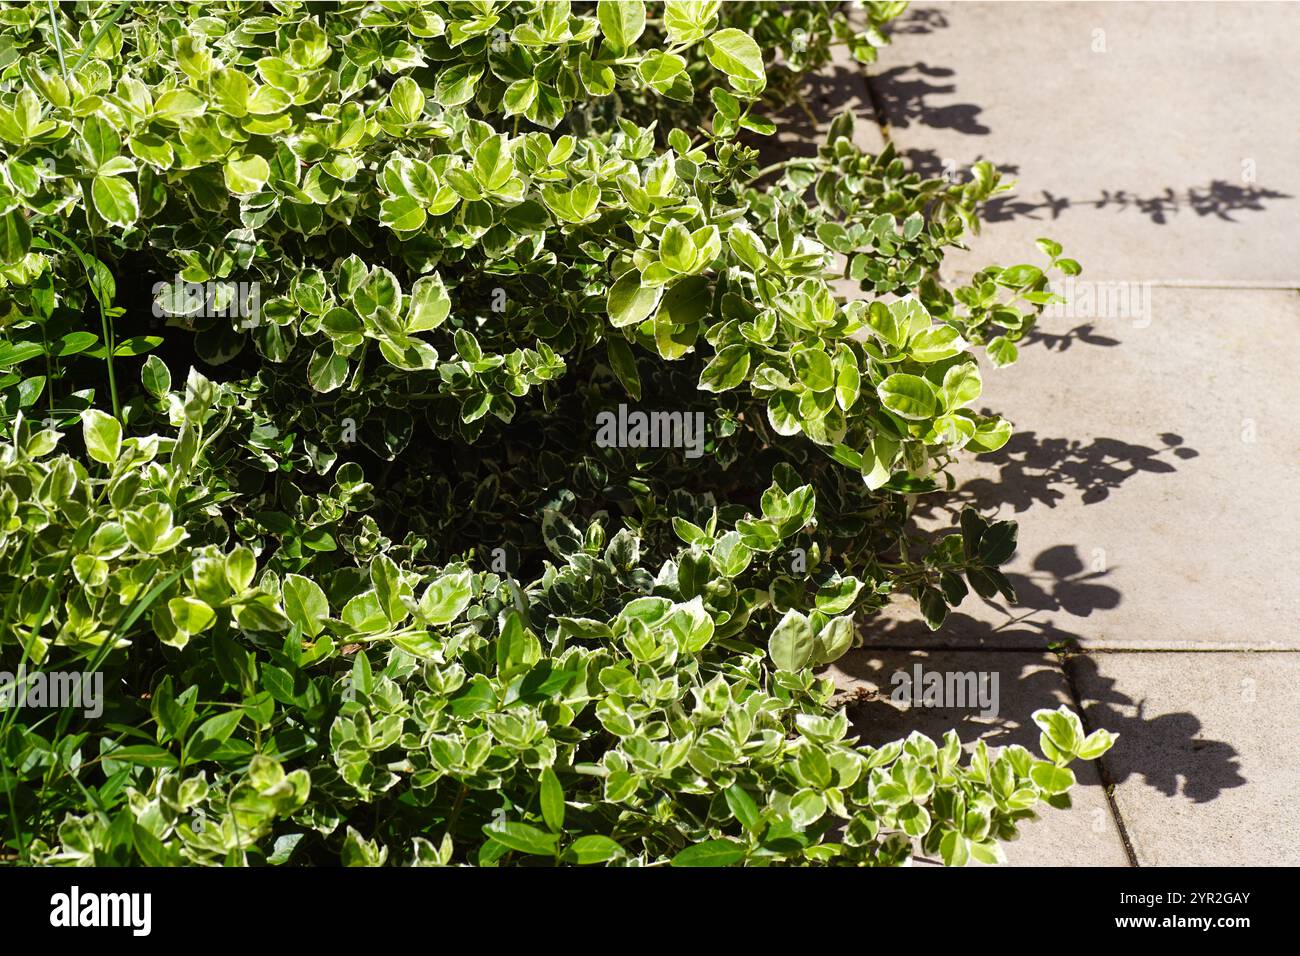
1107	781
877	108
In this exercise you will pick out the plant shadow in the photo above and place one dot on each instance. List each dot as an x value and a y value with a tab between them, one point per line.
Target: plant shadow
904	94
1219	198
1027	645
801	125
1029	678
1037	470
877	703
1085	334
1167	751
918	20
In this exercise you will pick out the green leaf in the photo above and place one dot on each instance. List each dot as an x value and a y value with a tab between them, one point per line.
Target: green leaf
791	644
998	543
101	139
305	604
136	345
954	849
552	799
676	250
1002	351
177	105
630	302
455	86
15	236
687	302
241	566
115	200
152	149
153	852
735	53
521	837
936	344
621	21
246	175
933	608
15	353
1062	727
102	434
1050	778
806	808
326	370
593	848
623	362
710	853
814	369
407	98
887	324
783	413
1020	276
727	370
379	290
74	343
1096	744
908	396
914	820
429	304
446	598
848	378
520	95
743	807
156	377
402	214
143	755
990	435
688	20
961	386
834	640
212	733
190	615
731	556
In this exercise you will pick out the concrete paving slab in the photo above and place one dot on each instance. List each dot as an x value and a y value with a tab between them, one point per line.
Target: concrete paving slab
1155	141
881	710
1206	769
1150	473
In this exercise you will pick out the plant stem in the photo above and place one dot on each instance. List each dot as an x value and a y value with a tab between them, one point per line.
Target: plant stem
58	38
768	170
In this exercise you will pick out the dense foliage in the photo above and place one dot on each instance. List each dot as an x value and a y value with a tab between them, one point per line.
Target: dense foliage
309	314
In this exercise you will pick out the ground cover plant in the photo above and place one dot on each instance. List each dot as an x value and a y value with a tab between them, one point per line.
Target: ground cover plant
449	440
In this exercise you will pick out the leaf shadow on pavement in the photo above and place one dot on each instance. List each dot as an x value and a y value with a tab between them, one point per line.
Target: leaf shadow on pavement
1218	198
1041	470
801	125
904	94
1167	751
918	20
1061	585
1057	593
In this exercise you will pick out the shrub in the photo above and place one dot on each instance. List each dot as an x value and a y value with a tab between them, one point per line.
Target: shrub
379	560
